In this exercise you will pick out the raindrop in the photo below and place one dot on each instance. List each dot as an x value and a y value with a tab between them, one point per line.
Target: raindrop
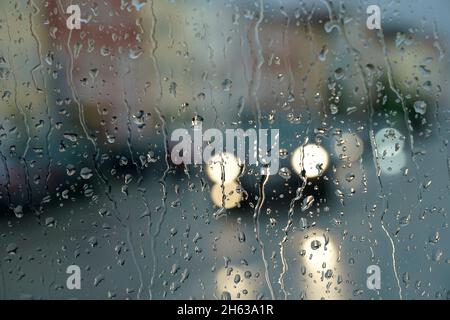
285	173
18	211
11	248
226	85
315	244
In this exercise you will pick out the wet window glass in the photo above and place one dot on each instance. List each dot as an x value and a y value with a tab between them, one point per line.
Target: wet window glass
255	149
